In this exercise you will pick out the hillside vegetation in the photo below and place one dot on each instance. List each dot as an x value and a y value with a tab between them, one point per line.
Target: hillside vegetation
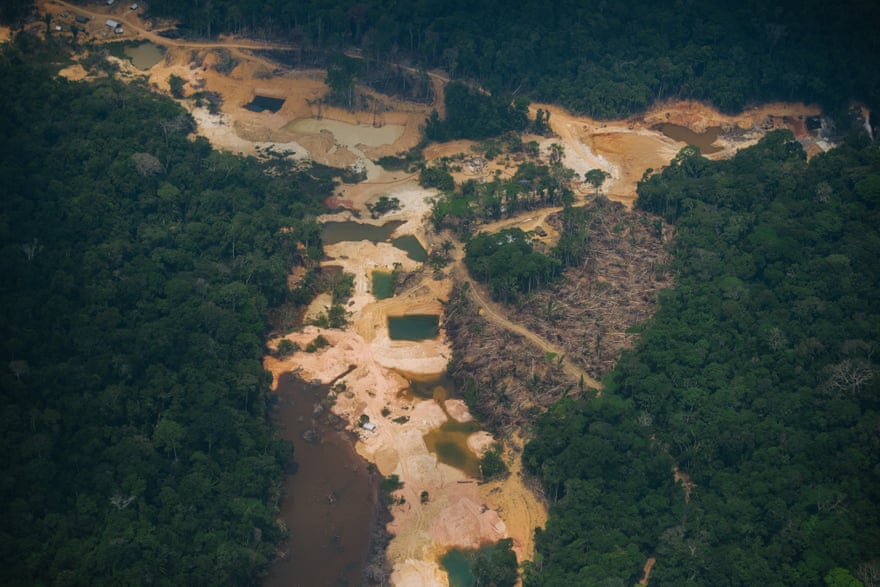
756	379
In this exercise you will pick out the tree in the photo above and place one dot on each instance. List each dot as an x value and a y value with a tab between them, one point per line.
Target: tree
498	568
176	84
850	375
340	78
492	465
159	381
556	154
168	434
839	577
447	246
596	177
146	164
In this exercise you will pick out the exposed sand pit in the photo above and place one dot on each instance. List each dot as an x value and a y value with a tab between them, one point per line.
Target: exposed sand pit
75	72
634	154
458	512
351	137
626	149
349	134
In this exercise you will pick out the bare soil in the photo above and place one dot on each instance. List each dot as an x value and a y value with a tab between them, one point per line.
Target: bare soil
628	148
503	352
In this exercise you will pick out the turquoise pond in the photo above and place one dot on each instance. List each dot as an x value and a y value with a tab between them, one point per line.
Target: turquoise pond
458	564
413	327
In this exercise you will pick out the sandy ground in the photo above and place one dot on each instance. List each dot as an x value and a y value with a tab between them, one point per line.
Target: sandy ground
626	149
459	512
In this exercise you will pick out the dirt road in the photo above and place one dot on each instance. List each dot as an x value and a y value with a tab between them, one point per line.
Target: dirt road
131	21
494	313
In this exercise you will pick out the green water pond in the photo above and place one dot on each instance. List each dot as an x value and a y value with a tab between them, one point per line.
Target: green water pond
383	284
413	327
337	232
412	247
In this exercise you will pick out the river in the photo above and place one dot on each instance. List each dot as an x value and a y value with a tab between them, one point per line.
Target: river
330	500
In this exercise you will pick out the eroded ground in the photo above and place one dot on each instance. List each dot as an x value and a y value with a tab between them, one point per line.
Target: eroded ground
460	512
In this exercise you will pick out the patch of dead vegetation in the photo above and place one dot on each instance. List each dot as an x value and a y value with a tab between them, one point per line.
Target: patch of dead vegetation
591	311
505	379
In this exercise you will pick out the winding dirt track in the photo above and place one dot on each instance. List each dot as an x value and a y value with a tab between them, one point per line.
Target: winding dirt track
160	40
495	314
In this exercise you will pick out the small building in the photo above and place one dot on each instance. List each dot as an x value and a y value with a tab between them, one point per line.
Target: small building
115	25
134	6
368	426
81	19
111	2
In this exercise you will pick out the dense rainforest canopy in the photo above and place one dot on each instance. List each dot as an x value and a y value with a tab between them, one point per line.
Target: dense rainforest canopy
138	267
757	380
605	59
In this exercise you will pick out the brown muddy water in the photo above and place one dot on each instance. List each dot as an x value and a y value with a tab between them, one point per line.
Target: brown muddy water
145	55
330	501
702	140
449	441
